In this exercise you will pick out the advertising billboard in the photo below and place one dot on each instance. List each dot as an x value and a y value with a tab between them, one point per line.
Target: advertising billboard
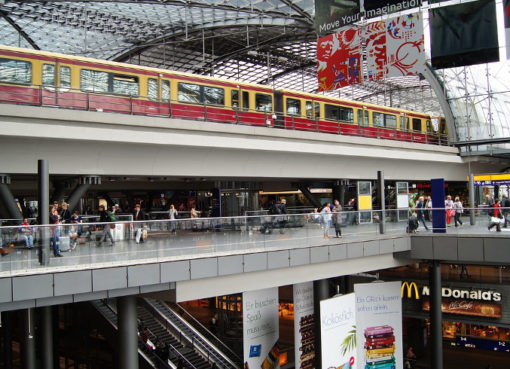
338	332
339	59
304	318
260	329
379	325
377	8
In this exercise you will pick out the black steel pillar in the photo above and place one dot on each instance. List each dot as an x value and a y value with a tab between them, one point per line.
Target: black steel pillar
7	339
321	291
381	195
44	209
28	339
436	316
128	337
8	199
46	337
472	219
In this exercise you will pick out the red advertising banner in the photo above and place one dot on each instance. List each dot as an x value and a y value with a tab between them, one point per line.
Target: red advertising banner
339	59
375	39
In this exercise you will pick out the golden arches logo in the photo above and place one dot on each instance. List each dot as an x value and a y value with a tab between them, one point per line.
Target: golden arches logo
410	286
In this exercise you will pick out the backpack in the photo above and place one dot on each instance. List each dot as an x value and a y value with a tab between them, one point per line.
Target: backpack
275	209
113	217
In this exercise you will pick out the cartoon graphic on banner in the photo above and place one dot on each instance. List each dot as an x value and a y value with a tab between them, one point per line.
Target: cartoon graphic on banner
338	332
375	39
379	325
260	329
405	45
304	338
339	59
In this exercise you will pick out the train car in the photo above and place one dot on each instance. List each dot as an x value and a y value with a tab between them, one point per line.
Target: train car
48	79
310	112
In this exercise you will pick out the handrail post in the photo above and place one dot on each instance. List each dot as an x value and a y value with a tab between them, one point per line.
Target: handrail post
205	111
130	104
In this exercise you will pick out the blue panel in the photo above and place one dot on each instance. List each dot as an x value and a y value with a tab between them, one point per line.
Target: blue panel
438	196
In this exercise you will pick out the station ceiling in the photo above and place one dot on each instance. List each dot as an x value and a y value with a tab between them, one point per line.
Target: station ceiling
269	42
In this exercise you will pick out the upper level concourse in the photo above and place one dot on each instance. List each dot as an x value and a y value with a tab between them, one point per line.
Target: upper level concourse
96	143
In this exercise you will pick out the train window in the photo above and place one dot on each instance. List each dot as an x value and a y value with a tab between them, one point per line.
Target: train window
15	71
152	89
293	107
317	111
346	114
429	126
309	109
234	98
125	85
165	91
390	120
214	95
417	124
246	101
378	119
404	123
93	80
331	112
48	75
65	77
190	93
363	118
263	102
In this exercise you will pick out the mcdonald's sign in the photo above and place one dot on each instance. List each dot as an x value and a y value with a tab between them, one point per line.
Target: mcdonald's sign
410	286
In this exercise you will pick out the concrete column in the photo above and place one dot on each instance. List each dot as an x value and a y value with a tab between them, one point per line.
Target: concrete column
8	199
28	339
7	339
381	195
44	209
436	316
472	218
321	291
46	337
127	334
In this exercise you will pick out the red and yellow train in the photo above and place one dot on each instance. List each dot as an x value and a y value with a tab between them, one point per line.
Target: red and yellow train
48	79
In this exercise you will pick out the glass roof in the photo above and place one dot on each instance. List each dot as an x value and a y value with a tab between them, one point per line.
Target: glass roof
270	42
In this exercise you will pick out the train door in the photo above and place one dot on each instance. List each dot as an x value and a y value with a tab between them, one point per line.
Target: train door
279	110
244	111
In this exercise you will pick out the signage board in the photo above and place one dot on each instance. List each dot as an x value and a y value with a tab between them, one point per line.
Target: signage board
304	318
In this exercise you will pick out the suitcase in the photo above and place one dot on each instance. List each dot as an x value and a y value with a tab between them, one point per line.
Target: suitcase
64	243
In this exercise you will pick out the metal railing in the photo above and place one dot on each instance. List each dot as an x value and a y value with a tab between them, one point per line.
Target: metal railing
37	95
165	240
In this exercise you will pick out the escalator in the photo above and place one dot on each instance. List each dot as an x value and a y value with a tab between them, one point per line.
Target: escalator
110	315
200	338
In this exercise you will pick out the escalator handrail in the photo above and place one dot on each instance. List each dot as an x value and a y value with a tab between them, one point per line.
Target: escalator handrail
216	340
200	341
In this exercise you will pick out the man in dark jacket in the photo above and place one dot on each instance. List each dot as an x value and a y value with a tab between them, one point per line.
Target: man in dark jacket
104	218
138	215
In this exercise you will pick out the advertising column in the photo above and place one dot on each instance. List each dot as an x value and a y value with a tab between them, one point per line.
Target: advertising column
379	325
304	338
338	332
260	329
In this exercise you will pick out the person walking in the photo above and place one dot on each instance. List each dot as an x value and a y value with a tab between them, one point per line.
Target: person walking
326	218
505	208
337	218
104	219
459	209
138	216
420	211
55	237
448	206
172	215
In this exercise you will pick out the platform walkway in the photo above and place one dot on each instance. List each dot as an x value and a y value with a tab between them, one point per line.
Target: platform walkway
199	238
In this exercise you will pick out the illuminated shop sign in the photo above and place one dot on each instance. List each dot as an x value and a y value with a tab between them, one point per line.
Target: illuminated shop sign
461	293
446	292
